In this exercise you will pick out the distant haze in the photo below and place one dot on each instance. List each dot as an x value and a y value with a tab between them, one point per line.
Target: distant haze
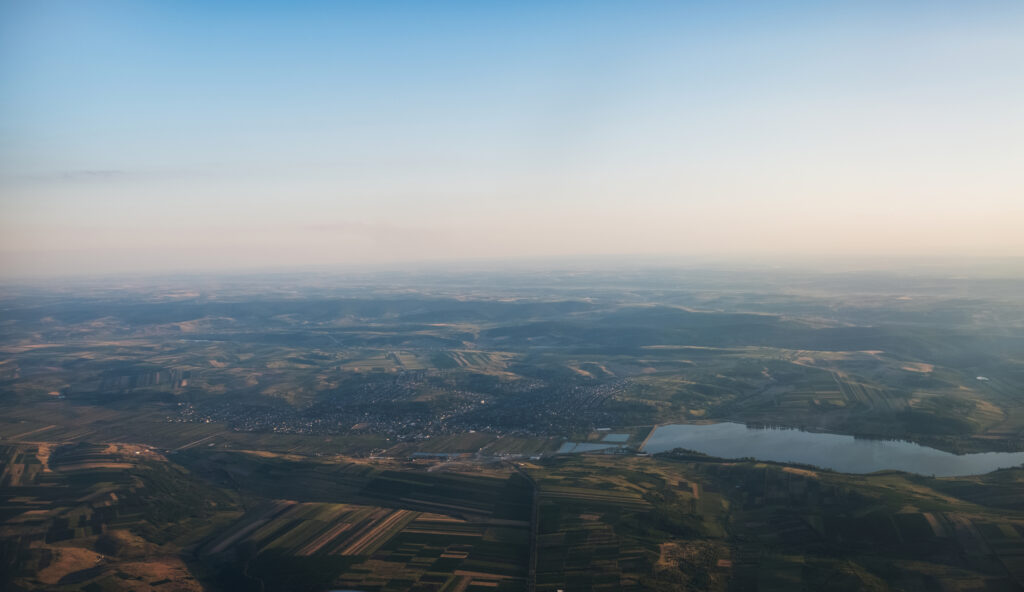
149	136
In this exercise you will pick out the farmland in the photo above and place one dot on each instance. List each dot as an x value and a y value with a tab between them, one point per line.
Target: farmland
97	514
682	522
103	515
399	526
365	371
384	437
380	548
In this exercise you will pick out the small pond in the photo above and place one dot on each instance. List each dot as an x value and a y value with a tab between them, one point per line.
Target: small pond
574	447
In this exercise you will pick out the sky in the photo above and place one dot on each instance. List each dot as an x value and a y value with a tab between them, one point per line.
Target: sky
148	136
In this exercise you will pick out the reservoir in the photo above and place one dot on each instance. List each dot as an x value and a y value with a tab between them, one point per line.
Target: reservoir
833	451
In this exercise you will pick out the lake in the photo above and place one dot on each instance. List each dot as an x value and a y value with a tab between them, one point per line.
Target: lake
837	452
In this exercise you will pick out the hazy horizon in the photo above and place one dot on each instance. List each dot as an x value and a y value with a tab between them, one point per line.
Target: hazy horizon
177	137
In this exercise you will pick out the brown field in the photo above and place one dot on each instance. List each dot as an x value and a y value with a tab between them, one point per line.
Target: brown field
95	465
317	543
804	472
158	569
68	560
378	532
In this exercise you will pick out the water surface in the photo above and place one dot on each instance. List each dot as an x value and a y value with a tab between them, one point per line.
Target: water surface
576	447
834	451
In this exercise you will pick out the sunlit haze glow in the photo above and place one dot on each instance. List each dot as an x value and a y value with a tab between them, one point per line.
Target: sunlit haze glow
149	136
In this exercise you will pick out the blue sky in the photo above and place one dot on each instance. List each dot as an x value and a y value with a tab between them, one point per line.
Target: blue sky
217	135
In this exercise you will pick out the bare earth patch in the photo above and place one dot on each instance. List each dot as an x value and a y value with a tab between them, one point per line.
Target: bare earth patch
803	472
68	560
159	569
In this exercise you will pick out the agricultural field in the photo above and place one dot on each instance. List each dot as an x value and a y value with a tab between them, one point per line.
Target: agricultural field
103	517
367	436
789	524
400	526
622	523
371	372
103	514
681	522
378	548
